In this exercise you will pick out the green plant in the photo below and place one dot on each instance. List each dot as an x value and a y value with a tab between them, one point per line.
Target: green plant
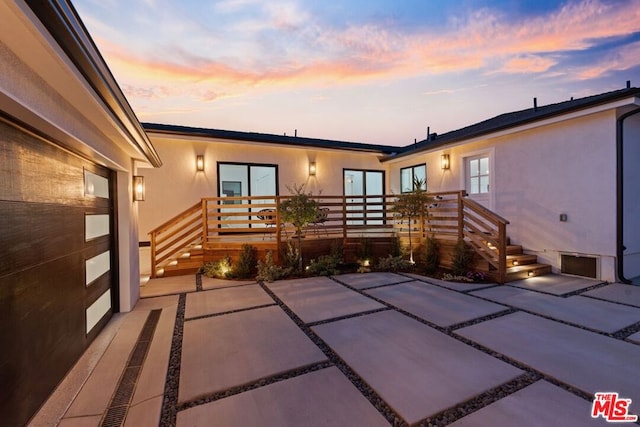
412	206
337	250
432	255
325	265
220	269
299	210
462	258
394	264
291	257
246	266
268	271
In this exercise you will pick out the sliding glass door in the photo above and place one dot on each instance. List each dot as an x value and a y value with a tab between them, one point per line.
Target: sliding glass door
364	210
240	180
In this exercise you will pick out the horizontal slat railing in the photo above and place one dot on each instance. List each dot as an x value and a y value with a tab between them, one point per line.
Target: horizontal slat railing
486	231
215	221
169	239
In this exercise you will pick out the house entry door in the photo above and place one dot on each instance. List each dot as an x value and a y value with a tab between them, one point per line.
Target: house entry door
478	179
359	186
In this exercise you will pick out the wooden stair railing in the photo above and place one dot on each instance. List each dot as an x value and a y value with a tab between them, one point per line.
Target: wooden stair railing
486	232
169	239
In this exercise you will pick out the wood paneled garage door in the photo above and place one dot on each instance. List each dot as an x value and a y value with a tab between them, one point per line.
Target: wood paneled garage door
57	265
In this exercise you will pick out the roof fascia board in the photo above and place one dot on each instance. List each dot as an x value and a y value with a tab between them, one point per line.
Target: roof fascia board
305	143
63	24
536	123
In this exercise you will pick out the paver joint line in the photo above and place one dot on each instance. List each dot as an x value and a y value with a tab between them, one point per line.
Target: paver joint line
168	414
253	385
239	310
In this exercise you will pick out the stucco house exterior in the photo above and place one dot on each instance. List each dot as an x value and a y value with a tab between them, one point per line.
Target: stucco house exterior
565	176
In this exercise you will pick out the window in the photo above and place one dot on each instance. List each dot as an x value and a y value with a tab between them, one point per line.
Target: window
240	180
410	174
364	210
478	175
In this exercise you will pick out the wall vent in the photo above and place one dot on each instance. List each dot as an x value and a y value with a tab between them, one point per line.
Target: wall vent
585	266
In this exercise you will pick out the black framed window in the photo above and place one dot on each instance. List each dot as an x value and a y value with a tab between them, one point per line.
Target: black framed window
409	175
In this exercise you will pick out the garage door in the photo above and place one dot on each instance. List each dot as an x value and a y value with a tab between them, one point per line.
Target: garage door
57	265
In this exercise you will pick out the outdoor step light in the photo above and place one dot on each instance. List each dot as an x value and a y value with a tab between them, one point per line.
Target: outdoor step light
138	188
200	163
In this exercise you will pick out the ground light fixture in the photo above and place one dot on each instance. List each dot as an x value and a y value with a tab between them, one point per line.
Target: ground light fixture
200	163
445	162
312	169
138	188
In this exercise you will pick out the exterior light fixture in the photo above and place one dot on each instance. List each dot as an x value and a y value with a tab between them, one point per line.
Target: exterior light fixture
312	169
138	188
199	163
445	162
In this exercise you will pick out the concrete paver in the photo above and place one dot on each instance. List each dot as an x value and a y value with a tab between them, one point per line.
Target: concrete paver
555	284
440	306
586	360
223	300
618	292
416	369
211	283
227	351
456	286
320	298
635	337
540	404
598	315
320	398
362	281
168	285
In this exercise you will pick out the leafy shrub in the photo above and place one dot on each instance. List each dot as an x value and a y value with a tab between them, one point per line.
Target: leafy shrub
462	258
325	265
246	263
364	249
268	271
477	276
221	269
291	258
432	255
394	263
337	250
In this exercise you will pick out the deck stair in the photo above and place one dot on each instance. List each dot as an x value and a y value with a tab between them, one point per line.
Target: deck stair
187	261
522	266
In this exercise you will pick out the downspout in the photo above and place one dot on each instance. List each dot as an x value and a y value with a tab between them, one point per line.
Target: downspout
620	195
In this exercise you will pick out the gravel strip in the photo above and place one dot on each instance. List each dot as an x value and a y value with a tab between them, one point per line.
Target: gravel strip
169	411
198	282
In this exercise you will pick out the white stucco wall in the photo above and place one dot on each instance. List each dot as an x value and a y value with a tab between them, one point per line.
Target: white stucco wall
631	168
176	185
537	174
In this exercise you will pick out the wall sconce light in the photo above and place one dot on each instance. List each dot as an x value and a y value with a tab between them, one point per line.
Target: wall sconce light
445	162
138	188
312	169
199	163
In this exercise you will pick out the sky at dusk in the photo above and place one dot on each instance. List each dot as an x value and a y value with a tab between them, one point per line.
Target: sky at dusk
373	71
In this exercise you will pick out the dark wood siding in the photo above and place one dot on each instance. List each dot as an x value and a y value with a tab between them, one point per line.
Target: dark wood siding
43	297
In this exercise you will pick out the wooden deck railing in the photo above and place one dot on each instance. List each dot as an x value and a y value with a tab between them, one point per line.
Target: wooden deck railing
216	221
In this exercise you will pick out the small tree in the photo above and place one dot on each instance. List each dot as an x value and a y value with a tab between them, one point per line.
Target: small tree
462	258
299	210
412	205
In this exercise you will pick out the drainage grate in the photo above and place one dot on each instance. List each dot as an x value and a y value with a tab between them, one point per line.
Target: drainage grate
117	411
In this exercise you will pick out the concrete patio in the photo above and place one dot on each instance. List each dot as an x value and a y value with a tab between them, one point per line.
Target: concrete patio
358	350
